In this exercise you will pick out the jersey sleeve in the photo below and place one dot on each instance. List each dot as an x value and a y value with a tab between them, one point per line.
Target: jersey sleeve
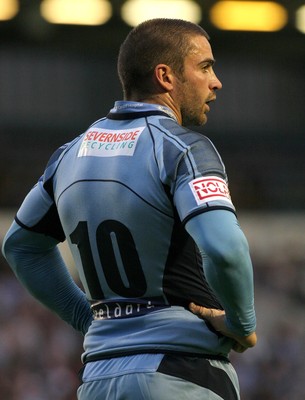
227	265
39	266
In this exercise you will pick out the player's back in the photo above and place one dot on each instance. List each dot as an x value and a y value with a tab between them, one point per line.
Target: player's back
114	189
115	209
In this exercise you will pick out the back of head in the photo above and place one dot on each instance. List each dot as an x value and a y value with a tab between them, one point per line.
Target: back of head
153	42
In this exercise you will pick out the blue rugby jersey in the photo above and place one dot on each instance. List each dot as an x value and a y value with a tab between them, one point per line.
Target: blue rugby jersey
120	194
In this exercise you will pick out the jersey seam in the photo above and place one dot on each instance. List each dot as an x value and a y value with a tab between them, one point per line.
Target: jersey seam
115	181
206	209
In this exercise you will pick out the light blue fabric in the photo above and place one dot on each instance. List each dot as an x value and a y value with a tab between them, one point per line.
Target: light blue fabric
136	378
40	267
120	194
227	266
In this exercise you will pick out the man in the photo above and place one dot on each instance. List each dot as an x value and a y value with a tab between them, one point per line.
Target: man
144	205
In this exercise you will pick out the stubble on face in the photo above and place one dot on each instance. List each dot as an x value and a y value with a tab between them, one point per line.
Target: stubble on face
193	116
192	108
193	103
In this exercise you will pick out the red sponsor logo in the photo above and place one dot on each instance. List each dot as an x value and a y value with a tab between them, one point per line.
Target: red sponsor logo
210	188
100	136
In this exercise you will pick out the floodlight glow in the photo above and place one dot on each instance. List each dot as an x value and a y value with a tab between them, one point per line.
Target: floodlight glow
267	16
134	12
300	19
76	12
8	9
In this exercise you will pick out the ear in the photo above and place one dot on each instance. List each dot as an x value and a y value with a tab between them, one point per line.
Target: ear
164	77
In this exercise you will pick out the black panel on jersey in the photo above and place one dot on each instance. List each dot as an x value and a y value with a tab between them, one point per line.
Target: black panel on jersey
184	279
49	225
172	157
48	179
53	164
198	370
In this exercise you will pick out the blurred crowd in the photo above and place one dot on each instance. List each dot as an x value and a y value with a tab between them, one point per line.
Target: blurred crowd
40	354
275	368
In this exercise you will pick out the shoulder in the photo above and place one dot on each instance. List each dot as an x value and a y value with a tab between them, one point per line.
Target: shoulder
185	137
54	162
184	145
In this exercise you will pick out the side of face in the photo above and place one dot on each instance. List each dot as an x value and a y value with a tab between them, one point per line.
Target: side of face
196	88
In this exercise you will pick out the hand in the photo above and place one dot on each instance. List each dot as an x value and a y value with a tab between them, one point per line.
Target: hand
217	319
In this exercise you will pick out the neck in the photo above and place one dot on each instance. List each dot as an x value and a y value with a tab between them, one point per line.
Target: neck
163	99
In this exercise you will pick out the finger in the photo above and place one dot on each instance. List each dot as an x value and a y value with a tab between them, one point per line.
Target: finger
239	348
193	308
200	310
247	341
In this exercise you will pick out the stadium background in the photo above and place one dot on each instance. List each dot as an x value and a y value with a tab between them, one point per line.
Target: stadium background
57	79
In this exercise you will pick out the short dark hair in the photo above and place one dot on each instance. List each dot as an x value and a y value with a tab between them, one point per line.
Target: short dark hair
153	42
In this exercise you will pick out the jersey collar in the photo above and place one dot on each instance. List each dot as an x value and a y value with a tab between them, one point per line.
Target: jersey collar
133	109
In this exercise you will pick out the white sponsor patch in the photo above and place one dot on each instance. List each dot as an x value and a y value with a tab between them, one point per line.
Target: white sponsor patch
110	143
210	188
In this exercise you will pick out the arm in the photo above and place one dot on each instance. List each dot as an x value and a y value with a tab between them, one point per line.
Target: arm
37	263
228	270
